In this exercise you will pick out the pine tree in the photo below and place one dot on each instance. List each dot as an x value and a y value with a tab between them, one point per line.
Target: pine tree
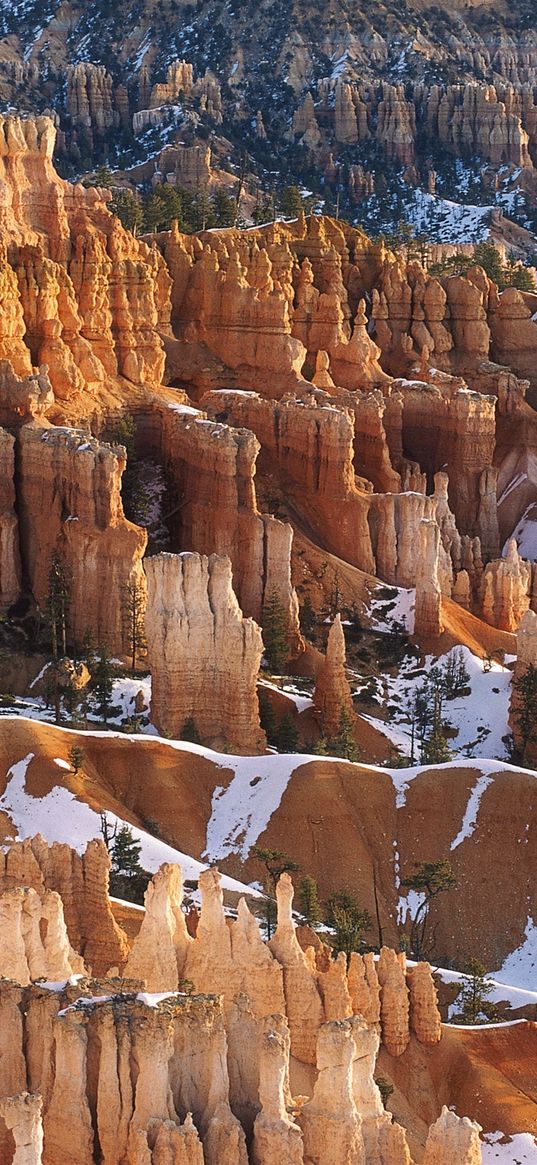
308	900
266	717
133	490
429	880
489	258
275	633
189	731
291	202
134	618
343	743
103	683
224	209
308	618
287	735
128	209
348	920
128	879
472	999
455	675
58	600
76	757
435	749
385	1088
525	705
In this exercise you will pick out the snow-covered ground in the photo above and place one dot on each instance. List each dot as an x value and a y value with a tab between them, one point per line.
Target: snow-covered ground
478	720
302	700
242	811
60	816
125	691
520	966
525	533
503	991
386	610
520	1149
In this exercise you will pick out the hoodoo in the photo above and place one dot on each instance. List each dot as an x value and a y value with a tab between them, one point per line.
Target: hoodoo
268	583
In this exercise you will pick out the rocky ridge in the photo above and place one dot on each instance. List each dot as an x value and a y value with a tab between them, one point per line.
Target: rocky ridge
314	361
216	1069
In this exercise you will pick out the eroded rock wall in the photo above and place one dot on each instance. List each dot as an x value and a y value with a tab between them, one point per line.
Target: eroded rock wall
204	656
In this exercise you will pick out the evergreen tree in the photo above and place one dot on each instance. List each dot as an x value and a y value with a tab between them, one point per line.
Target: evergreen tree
76	757
348	920
275	633
103	683
430	880
308	900
456	676
525	708
224	209
267	717
133	491
287	734
489	258
189	731
343	743
385	1088
435	749
128	209
291	202
308	618
58	600
134	618
128	879
475	1008
202	214
103	178
276	863
520	277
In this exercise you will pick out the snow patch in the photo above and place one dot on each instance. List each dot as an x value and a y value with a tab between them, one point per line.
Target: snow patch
520	1149
520	967
242	811
59	816
469	820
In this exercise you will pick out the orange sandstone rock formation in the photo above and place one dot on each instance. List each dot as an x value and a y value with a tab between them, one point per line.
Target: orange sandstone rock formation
34	937
453	1139
332	689
10	569
428	610
160	948
424	1014
394	1001
22	1116
203	655
70	504
82	883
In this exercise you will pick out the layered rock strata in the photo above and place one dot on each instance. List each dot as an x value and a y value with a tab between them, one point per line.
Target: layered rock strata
332	694
69	501
10	567
213	509
204	656
34	937
82	883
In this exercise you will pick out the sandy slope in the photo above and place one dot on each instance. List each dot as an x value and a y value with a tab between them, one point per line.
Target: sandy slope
350	825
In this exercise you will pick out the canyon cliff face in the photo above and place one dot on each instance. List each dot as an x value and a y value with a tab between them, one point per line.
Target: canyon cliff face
80	884
70	505
234	311
203	655
210	1068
